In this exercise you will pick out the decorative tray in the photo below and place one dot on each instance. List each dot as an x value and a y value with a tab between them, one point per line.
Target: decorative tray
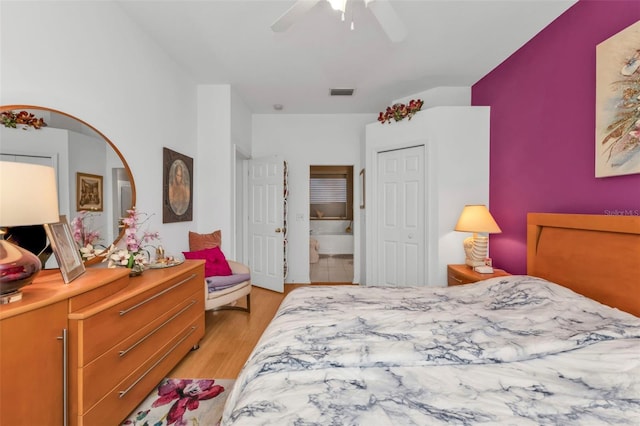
166	264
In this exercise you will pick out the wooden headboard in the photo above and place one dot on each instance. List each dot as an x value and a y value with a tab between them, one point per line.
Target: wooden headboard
594	255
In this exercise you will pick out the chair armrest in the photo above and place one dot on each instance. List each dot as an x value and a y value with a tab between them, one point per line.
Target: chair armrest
238	268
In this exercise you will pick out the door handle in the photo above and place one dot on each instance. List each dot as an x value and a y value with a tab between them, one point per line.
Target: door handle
278	230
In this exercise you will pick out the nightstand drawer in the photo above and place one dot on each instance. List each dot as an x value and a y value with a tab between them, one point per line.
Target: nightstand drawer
463	274
456	278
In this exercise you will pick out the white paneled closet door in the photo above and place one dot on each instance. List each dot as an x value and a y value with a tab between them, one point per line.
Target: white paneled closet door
401	216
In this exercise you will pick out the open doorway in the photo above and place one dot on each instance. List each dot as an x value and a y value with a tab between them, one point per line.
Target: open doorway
331	242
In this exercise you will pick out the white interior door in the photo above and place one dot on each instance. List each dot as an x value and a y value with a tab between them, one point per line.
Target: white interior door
266	218
401	217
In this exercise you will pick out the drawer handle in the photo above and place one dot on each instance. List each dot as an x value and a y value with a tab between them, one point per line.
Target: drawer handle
155	296
65	382
122	393
177	314
455	278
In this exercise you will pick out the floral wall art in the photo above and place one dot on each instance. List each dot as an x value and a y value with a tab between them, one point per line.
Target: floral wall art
618	103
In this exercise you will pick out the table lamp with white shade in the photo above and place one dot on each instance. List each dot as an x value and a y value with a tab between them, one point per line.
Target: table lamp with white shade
28	196
477	219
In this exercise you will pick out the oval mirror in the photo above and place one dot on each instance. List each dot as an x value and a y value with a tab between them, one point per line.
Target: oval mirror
94	179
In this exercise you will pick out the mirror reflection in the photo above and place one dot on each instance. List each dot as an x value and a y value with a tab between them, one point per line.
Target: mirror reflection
95	185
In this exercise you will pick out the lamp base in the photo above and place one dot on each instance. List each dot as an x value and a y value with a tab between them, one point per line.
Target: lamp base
475	249
11	297
18	268
473	263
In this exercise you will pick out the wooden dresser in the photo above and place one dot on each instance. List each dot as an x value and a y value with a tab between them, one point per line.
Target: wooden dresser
89	352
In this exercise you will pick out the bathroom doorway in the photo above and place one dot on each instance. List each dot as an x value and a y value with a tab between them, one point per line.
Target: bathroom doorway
331	243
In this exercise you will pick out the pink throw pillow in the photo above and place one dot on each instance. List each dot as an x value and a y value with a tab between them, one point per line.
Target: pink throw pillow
215	264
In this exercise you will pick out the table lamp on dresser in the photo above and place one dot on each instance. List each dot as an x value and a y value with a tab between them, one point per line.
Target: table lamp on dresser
28	196
477	219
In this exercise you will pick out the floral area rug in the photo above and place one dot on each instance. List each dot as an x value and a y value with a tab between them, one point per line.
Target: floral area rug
183	402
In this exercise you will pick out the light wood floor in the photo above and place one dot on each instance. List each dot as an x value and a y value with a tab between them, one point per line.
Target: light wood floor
230	337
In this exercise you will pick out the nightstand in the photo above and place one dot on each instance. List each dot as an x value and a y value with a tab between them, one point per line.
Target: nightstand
463	274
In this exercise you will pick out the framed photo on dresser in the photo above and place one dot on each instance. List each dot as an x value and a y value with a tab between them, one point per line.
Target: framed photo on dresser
65	250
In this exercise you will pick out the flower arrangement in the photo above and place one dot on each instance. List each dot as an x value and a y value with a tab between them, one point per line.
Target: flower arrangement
134	255
24	118
83	236
398	112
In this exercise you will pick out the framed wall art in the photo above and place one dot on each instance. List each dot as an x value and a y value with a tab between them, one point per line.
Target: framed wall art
618	103
65	250
89	192
177	187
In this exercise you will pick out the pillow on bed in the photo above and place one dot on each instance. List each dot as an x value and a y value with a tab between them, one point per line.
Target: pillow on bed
215	264
199	242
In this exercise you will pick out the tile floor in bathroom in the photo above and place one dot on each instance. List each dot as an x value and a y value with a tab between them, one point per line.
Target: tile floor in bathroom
332	268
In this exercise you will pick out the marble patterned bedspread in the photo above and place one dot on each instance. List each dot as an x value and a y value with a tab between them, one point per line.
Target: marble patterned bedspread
509	350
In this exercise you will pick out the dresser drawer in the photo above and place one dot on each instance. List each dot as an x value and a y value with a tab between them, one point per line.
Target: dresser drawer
146	343
100	332
128	394
83	300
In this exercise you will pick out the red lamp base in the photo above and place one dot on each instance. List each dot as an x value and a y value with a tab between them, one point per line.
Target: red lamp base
18	268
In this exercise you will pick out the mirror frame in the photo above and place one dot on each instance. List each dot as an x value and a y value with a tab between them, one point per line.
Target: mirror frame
4	108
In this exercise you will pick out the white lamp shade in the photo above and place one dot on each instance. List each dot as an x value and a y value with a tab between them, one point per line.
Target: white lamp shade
476	218
28	194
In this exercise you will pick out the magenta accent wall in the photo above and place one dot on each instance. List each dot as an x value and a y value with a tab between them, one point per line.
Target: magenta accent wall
542	101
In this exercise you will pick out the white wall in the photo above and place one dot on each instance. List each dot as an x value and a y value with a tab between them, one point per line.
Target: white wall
441	96
457	173
241	117
304	140
88	59
241	126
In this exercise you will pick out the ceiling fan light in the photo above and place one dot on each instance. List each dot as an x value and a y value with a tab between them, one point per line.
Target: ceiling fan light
340	5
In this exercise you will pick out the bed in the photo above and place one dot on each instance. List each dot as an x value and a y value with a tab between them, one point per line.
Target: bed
509	350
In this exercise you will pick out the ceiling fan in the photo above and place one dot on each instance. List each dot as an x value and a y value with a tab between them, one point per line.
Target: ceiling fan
381	9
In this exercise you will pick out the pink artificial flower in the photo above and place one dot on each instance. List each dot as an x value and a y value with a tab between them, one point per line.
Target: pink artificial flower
81	235
91	237
76	225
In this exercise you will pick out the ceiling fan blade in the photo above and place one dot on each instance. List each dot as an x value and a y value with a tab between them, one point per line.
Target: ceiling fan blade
388	19
298	9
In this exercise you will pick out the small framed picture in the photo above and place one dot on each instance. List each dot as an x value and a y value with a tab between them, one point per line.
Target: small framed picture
65	250
89	194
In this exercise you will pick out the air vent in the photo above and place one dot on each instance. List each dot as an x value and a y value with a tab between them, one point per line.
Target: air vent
342	92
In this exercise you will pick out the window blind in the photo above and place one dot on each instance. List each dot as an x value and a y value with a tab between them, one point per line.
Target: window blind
328	190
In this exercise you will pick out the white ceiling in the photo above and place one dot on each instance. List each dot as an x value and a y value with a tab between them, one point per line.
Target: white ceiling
449	43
